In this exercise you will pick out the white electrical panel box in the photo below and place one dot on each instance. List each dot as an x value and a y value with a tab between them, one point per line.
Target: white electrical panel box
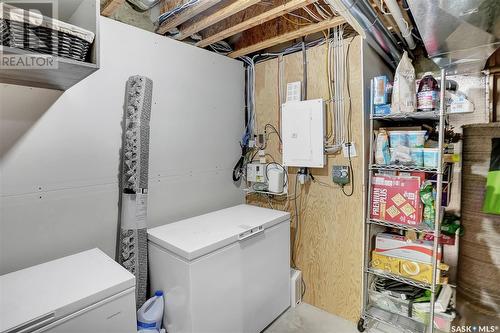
303	133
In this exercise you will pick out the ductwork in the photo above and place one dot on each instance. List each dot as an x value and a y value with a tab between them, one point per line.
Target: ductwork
403	26
143	5
373	30
459	35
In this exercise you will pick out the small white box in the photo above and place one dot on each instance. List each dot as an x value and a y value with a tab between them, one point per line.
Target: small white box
397	246
295	287
276	177
256	172
303	133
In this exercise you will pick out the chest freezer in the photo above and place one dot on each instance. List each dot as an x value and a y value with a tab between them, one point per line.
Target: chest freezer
87	292
222	272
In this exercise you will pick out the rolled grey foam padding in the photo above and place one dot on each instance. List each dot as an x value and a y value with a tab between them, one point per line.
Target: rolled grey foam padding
133	252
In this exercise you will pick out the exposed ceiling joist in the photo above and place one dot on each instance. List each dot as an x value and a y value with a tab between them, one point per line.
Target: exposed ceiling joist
185	15
110	7
217	16
287	36
168	5
248	19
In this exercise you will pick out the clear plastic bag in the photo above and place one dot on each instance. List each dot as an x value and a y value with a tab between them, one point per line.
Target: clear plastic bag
401	155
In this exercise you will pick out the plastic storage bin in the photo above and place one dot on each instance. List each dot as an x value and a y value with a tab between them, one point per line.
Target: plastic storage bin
398	138
442	320
416	139
417	156
390	303
431	157
32	31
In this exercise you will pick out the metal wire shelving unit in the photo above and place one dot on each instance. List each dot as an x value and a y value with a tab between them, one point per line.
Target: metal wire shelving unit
372	313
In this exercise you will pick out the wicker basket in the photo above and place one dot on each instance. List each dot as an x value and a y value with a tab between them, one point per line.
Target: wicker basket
44	35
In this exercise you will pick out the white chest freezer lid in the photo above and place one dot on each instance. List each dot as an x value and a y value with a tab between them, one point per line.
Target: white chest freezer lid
200	235
49	291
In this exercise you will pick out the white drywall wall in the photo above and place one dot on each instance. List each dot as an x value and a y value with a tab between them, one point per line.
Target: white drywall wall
60	152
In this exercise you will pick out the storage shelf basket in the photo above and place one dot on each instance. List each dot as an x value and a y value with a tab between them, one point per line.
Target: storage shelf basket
40	34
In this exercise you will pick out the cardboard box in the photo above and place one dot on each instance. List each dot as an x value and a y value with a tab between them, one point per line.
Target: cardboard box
400	247
380	90
406	268
383	109
443	239
396	199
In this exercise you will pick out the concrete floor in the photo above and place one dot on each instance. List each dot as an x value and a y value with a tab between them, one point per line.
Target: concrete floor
306	318
469	314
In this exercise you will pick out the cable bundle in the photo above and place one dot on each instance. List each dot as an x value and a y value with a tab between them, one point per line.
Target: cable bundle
165	16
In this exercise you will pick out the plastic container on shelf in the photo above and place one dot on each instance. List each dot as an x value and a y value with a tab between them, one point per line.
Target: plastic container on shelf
401	156
417	156
150	314
442	320
416	139
390	303
382	155
381	95
382	110
428	93
431	157
398	138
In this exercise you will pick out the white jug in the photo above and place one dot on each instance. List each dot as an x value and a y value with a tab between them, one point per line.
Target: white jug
150	315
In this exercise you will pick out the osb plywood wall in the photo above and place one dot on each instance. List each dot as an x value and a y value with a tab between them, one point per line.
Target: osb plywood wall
329	242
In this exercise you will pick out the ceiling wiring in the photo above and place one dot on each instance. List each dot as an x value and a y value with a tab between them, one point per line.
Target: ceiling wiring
165	16
300	16
221	47
294	22
312	14
321	12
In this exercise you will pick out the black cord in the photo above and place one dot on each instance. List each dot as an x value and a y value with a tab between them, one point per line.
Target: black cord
349	126
304	287
351	173
272	158
253	156
296	220
274	130
238	168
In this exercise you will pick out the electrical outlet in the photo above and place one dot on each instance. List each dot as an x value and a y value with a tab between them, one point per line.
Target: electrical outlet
340	175
349	150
